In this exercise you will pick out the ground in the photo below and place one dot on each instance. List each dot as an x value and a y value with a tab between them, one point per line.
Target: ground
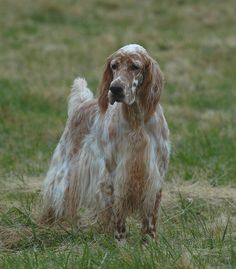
44	46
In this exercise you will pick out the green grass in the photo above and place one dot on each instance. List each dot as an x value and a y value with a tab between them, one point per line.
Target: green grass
195	233
44	46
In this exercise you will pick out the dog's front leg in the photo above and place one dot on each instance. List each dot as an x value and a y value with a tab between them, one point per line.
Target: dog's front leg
120	229
150	218
108	215
106	204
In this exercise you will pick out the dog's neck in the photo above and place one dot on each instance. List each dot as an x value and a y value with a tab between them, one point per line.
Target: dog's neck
133	115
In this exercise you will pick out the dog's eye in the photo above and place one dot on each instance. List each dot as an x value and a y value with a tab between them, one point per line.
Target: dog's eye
135	67
114	66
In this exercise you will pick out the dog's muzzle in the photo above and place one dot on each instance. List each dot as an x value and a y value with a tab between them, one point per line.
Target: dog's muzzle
116	94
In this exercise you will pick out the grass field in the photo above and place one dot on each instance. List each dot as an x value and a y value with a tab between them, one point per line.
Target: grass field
44	45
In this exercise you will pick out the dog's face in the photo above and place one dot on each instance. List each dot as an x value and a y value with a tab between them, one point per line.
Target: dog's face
131	75
127	76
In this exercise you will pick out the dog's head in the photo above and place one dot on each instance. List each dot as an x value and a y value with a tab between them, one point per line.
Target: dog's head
131	75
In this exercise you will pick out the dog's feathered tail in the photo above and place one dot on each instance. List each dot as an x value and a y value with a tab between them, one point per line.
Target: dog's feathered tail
57	181
79	94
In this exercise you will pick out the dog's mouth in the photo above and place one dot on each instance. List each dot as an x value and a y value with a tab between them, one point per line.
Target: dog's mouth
115	98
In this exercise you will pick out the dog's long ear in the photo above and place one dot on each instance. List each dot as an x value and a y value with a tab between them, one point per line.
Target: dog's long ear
152	87
104	87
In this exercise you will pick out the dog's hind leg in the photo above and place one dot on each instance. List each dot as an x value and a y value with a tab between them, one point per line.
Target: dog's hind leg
56	184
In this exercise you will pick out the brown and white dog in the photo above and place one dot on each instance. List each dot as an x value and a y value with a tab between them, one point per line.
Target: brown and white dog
114	152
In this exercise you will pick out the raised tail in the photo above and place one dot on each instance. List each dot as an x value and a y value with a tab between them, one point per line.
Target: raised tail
79	94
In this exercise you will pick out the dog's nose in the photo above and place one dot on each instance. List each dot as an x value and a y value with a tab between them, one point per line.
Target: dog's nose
117	90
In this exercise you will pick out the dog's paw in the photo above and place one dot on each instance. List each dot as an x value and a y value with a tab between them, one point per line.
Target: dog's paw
121	242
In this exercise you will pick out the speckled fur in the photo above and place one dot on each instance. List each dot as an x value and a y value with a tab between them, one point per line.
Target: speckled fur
112	158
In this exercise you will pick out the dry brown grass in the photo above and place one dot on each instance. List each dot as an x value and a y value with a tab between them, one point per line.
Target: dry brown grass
190	190
199	190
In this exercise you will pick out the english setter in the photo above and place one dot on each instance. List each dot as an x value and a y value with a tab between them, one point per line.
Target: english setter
114	152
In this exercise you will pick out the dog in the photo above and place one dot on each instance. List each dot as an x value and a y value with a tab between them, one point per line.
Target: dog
114	152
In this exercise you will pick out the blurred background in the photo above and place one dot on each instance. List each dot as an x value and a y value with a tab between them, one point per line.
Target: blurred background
44	45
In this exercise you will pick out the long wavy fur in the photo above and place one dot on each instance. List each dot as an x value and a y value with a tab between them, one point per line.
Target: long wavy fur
109	159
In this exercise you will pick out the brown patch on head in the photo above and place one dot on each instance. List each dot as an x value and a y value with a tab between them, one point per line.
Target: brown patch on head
104	87
128	71
151	88
122	70
128	76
